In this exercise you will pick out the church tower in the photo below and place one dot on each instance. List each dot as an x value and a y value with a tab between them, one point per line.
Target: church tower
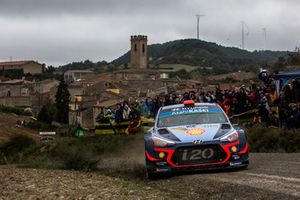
138	53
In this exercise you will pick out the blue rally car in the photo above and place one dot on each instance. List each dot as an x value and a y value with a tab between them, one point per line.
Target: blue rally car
193	136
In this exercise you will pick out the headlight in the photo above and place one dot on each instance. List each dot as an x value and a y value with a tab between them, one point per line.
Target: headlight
161	142
231	137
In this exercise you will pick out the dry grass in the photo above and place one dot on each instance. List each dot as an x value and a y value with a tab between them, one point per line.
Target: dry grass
8	128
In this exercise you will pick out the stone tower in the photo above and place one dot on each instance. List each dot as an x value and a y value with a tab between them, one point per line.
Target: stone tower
138	53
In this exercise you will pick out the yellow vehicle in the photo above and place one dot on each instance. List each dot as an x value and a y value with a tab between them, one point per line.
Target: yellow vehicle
107	125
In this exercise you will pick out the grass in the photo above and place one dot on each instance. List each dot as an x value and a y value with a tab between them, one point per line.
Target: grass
63	153
273	140
13	150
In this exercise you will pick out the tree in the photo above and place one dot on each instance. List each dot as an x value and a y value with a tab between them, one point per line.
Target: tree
47	113
50	69
43	115
12	73
62	100
182	73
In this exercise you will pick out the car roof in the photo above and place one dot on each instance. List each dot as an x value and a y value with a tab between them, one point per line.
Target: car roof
195	105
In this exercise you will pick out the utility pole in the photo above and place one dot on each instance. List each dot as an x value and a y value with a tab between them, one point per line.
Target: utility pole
198	21
265	38
243	35
245	32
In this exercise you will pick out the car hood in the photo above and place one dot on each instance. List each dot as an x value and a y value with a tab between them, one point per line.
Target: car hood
204	132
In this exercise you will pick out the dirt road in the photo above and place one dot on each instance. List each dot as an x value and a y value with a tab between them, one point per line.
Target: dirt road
58	184
122	176
270	176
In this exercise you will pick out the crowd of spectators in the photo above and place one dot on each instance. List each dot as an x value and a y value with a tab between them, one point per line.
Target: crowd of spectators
259	104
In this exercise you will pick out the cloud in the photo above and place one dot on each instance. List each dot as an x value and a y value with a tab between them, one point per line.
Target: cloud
46	8
62	31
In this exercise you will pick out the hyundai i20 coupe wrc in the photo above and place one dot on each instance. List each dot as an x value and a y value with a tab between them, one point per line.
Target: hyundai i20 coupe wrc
193	136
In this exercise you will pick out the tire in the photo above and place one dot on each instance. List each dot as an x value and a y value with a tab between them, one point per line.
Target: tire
243	167
151	175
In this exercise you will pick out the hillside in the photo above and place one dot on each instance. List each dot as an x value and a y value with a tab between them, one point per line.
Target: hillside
205	54
9	129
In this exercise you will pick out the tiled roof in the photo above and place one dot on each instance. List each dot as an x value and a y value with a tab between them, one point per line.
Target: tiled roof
113	87
108	103
16	81
79	71
99	78
15	62
3	78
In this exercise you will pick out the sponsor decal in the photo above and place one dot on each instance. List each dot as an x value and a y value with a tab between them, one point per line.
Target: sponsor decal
189	110
210	125
195	131
179	129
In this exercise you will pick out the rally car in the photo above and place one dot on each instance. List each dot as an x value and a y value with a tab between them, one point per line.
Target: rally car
192	136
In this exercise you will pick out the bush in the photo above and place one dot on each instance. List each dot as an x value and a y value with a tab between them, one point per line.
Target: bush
11	109
273	140
66	153
40	126
40	161
15	148
108	143
75	154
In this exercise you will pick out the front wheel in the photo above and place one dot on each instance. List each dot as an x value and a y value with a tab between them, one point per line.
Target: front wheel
151	175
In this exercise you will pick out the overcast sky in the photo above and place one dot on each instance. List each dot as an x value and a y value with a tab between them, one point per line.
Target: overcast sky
57	32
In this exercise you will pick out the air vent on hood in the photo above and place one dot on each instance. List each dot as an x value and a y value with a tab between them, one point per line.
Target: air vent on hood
163	131
225	126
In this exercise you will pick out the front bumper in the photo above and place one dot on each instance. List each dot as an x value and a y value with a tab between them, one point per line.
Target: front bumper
230	159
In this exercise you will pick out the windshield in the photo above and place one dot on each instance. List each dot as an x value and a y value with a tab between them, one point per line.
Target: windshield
190	116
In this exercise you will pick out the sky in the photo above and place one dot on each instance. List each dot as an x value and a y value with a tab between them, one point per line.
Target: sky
57	32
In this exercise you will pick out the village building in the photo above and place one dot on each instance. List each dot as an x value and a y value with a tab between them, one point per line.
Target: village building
106	90
77	75
28	67
81	111
28	94
140	79
3	79
138	52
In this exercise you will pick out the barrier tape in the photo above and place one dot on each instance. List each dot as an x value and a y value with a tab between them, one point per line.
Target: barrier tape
244	113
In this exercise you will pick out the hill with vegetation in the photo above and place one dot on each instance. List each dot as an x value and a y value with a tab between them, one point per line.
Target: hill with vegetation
206	55
87	64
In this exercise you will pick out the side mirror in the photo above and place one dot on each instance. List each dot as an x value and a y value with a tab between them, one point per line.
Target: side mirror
235	120
236	126
149	130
